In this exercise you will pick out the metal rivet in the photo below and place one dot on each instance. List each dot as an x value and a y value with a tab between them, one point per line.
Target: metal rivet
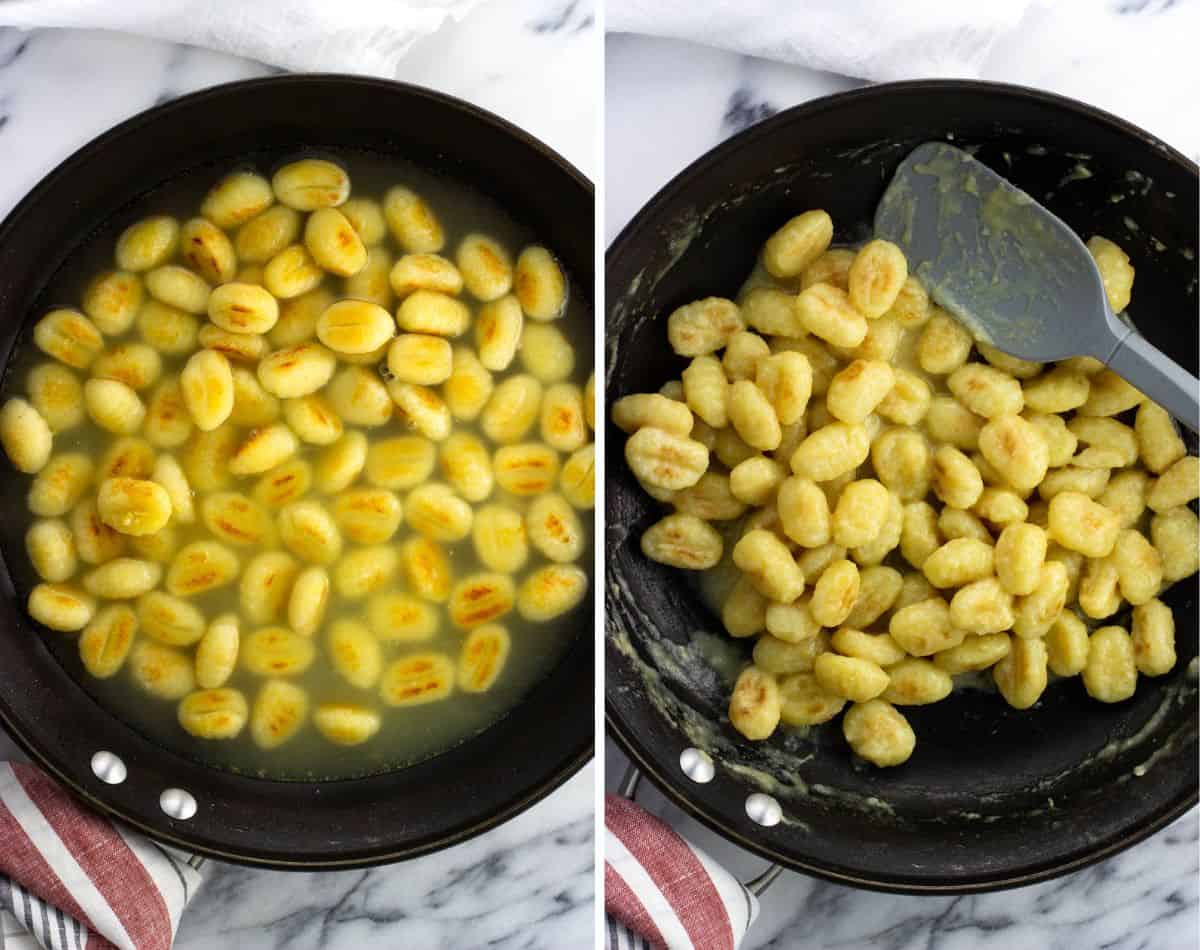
108	768
763	810
697	765
177	803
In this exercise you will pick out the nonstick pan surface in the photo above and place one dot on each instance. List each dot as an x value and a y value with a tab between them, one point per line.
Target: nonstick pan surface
992	797
384	817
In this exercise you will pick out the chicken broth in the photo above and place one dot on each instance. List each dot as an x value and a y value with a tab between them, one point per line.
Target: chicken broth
426	518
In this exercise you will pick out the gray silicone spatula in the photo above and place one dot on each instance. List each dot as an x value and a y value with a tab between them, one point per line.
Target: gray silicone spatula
1016	275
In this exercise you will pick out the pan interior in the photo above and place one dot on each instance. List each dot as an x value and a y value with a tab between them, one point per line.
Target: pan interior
407	735
991	795
379	817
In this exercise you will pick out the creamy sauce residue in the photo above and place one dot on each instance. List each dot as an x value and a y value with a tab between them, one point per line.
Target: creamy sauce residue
1001	276
668	671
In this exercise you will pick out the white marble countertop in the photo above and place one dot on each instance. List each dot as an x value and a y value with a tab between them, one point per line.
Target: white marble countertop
529	883
667	103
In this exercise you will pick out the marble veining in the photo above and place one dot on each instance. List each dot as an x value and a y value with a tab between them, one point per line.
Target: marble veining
1146	898
1144	6
667	103
572	16
744	110
529	884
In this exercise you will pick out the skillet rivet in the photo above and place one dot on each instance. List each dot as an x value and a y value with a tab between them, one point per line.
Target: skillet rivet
177	803
763	810
697	765
108	768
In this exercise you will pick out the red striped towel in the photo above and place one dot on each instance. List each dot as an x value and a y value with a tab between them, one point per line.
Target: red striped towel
661	891
71	880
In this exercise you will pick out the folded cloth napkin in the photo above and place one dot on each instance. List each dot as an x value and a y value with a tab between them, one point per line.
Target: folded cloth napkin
869	39
71	880
363	36
662	891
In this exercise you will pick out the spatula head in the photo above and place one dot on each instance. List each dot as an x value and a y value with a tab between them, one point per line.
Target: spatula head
1015	274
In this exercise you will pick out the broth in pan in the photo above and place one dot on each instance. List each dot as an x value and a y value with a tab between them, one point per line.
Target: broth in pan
310	464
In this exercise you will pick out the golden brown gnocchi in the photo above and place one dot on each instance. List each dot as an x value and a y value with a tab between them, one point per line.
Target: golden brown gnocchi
286	436
949	508
418	679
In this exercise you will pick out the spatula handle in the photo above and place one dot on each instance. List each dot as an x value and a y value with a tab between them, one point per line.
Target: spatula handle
1159	377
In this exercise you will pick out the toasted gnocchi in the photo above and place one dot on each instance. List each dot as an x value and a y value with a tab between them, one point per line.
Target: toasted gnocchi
434	511
162	671
122	578
303	428
207	382
57	488
112	300
217	652
550	592
214	714
540	284
296	370
313	419
61	607
280	711
341	463
401	617
105	642
484	653
266	584
480	598
199	567
355	653
432	313
284	483
418	679
237	519
264	449
346	724
366	570
308	530
1007	486
277	651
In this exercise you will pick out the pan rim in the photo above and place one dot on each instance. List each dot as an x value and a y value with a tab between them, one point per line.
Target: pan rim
838	99
565	765
625	736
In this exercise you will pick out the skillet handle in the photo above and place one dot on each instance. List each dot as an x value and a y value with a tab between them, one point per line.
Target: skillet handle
757	885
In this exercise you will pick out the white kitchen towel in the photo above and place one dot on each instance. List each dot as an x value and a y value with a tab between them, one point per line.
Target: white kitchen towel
869	39
352	36
72	880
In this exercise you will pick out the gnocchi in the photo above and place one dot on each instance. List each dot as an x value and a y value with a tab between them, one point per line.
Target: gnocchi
418	679
105	642
304	430
355	653
835	362
162	671
307	185
540	284
346	724
214	713
433	313
112	300
217	652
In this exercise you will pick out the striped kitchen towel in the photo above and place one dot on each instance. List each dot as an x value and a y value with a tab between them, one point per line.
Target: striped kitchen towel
660	891
71	880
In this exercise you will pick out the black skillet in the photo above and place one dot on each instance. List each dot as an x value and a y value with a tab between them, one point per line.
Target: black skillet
385	817
992	797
